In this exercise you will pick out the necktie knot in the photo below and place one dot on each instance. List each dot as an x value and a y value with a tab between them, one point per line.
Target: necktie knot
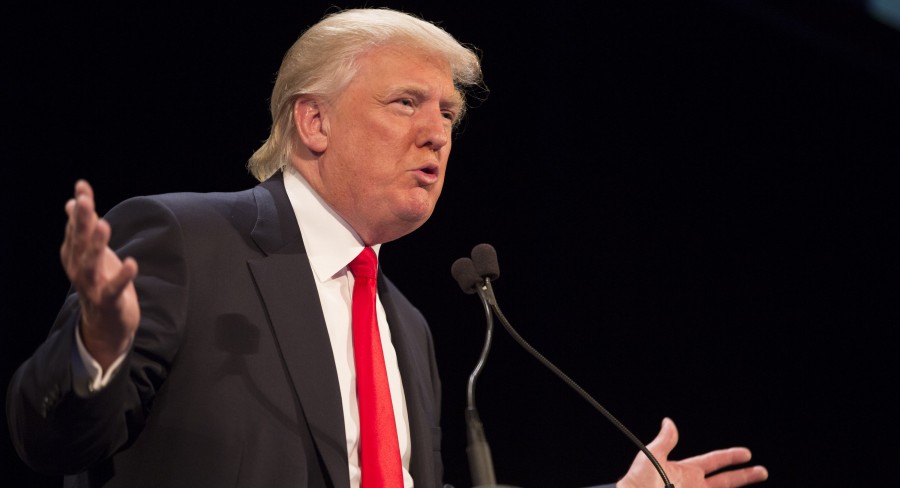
365	265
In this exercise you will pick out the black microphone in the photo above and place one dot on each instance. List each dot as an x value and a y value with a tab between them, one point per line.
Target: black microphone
463	270
481	465
484	257
484	262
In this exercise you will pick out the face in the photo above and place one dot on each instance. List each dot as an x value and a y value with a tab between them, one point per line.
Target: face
386	143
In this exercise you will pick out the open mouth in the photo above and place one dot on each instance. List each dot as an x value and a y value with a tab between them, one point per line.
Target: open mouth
427	174
429	169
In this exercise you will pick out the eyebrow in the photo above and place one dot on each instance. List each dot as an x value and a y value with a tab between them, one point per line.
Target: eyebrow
452	102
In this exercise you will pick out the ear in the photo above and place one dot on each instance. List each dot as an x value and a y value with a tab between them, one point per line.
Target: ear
309	124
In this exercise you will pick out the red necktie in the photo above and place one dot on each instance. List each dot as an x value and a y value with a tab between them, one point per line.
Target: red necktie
379	458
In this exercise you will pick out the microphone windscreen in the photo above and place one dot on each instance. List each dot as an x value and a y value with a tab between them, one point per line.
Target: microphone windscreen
464	272
485	258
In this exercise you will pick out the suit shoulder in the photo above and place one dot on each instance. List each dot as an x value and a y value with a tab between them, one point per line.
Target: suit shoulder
188	214
184	205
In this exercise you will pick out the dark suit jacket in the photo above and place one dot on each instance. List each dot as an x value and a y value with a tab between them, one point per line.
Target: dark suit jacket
231	381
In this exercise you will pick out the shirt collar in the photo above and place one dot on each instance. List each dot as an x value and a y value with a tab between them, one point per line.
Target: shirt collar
329	240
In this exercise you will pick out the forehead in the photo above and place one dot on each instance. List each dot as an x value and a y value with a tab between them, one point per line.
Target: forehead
393	67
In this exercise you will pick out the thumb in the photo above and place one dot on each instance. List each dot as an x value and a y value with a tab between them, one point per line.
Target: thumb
665	440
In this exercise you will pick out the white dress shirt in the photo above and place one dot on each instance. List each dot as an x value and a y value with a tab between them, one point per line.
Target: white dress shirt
330	245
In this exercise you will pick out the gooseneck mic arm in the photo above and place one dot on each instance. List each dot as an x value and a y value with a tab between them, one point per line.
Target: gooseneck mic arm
485	262
481	465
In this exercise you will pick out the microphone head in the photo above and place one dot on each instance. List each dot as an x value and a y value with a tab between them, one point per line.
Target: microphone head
484	258
464	272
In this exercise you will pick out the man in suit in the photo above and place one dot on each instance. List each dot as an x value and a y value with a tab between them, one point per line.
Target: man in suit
207	338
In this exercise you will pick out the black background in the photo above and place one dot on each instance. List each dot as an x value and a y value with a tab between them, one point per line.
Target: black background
693	205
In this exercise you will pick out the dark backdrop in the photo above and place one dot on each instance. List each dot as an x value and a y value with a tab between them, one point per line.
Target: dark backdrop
693	205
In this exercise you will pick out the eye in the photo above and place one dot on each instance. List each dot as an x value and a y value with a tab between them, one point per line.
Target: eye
407	102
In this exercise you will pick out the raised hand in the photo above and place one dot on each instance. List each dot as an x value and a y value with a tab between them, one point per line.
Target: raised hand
105	283
701	471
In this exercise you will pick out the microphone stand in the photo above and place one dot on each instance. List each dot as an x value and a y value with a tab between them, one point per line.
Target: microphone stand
481	465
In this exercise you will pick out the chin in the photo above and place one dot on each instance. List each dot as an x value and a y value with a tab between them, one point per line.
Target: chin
414	221
417	210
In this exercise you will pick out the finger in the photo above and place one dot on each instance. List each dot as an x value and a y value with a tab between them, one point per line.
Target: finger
82	190
90	259
84	213
78	234
122	279
70	209
83	221
68	239
738	477
665	440
82	187
718	459
80	228
66	248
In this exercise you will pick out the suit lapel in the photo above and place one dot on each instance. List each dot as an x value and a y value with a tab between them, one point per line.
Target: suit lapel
286	283
412	369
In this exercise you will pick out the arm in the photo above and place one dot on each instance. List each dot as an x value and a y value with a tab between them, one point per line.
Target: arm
57	428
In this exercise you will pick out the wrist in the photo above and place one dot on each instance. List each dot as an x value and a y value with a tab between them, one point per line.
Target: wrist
104	348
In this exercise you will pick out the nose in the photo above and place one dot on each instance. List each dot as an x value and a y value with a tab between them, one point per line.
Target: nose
434	129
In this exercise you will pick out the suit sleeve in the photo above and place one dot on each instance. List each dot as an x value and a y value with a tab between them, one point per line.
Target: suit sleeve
54	429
